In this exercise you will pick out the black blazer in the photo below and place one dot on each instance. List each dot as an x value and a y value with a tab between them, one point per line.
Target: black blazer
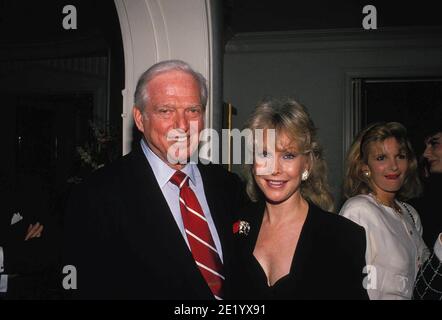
327	263
124	242
30	262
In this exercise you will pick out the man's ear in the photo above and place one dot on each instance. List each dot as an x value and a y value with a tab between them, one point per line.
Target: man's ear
138	118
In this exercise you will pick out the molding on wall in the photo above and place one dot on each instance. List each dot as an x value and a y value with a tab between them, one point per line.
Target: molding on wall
335	39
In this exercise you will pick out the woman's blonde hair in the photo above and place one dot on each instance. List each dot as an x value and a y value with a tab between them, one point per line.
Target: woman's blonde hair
291	118
357	183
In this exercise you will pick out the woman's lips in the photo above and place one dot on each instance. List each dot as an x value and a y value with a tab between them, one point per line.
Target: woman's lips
392	176
275	183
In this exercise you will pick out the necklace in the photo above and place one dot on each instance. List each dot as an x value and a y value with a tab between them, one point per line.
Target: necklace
395	207
397	210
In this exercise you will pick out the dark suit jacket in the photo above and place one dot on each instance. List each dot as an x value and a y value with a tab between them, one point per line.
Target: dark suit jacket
29	261
429	206
327	263
124	242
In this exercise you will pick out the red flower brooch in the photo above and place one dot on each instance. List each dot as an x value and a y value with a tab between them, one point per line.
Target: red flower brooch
241	227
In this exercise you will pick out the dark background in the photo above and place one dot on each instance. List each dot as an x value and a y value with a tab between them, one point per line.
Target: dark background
42	128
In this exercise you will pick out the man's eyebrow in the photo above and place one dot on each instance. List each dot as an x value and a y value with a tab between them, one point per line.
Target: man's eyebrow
433	139
164	106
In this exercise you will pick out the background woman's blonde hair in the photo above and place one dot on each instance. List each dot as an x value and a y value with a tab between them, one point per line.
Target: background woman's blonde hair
291	118
356	182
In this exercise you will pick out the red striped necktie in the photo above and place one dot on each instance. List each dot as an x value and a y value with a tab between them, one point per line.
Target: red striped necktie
198	234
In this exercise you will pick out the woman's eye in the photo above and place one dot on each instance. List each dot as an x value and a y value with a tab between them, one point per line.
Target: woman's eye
380	158
402	156
289	156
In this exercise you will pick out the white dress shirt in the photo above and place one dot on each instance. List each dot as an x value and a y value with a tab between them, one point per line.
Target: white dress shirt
438	247
163	173
3	277
395	248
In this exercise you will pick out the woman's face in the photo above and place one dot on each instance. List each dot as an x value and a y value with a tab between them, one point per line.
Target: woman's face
433	152
278	169
388	166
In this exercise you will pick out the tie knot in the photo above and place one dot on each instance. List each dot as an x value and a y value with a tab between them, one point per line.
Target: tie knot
179	179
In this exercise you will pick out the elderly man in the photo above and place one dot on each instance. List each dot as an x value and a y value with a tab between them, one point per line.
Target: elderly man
152	225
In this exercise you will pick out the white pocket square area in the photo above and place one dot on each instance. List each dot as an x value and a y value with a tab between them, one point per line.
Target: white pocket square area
16	217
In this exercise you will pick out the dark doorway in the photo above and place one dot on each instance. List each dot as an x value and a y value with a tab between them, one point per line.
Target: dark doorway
61	96
416	103
49	127
60	88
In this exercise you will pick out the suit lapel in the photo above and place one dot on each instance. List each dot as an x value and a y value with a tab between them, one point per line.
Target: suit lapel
153	233
215	200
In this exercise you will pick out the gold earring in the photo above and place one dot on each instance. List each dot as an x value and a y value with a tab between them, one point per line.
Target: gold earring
367	174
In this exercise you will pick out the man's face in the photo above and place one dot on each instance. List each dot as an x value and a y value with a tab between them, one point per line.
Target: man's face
173	117
433	152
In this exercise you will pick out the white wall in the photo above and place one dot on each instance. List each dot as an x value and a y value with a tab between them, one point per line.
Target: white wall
155	30
317	66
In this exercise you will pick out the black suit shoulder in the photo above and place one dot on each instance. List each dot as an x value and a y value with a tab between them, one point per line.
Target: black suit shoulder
340	234
228	183
107	176
340	244
104	189
335	226
219	173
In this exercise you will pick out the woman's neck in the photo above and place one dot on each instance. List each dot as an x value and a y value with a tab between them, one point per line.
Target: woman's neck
294	208
386	199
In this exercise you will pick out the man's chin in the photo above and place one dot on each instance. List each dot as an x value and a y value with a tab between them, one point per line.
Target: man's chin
180	157
180	153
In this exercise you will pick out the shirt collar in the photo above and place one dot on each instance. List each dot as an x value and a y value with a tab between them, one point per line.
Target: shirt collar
161	170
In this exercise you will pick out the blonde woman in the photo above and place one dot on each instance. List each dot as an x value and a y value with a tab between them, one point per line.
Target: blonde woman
288	246
381	175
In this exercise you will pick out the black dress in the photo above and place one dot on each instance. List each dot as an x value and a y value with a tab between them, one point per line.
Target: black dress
328	262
